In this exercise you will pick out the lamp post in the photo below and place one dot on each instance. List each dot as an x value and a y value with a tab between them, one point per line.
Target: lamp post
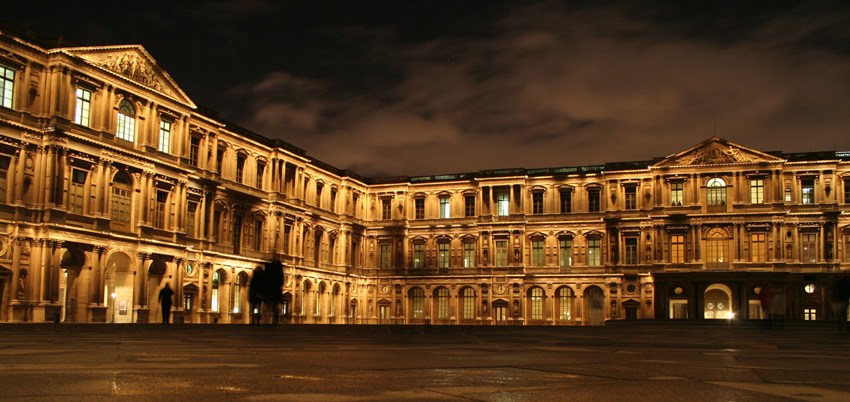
113	307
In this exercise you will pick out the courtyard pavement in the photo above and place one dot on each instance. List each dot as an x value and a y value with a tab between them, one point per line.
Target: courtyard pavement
635	361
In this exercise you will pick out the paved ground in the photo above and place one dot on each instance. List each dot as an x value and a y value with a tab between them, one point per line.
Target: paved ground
625	362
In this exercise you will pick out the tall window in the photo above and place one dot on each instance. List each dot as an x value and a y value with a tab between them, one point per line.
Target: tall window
787	195
757	191
594	199
442	303
287	233
501	253
257	240
83	107
566	299
418	255
536	303
808	191
419	208
469	205
757	247
126	121
164	136
237	293
536	203
566	201
503	204
631	250
261	171
319	189
468	254
237	234
631	197
717	252
194	150
219	159
809	243
594	250
122	188
417	301
386	208
159	209
537	253
443	255
240	168
847	191
716	195
677	193
332	207
445	207
191	211
468	300
386	255
76	190
216	281
7	86
317	300
565	252
677	249
4	171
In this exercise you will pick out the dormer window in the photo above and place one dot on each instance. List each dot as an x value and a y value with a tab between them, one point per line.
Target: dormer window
126	121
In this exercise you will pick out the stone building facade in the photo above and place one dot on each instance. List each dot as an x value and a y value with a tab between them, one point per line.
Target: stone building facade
114	183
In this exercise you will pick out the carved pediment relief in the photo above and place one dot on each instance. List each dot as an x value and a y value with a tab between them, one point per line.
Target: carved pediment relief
134	64
717	151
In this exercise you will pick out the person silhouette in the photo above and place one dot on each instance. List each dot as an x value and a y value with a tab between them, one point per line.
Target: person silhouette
165	302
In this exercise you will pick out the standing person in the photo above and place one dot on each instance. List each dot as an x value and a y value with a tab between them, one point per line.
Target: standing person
165	302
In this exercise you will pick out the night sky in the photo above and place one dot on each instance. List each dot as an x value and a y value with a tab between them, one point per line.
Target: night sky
429	87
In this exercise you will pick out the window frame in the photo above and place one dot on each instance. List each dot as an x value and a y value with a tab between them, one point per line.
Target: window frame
445	207
82	108
164	145
7	86
126	121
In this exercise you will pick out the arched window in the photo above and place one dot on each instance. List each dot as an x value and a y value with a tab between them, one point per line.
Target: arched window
417	301
305	290
216	281
536	303
716	194
122	189
126	121
318	299
238	283
566	300
442	303
468	297
717	248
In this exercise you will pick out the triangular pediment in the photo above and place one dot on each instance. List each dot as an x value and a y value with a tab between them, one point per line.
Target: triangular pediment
132	63
717	151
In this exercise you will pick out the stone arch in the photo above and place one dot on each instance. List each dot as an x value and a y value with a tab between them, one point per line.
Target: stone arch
594	305
718	302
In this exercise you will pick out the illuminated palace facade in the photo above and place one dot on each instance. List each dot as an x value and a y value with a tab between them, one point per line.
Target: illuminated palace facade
114	183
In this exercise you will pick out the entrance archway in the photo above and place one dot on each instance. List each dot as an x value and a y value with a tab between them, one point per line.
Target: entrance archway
718	302
594	299
118	288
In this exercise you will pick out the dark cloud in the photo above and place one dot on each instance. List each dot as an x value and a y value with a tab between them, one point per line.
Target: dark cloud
445	87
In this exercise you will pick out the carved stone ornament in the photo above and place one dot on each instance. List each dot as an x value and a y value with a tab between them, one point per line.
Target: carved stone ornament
132	66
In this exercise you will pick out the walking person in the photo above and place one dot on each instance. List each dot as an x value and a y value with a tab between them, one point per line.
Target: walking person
165	302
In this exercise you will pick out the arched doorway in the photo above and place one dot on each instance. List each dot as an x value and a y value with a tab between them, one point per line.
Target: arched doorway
500	311
594	299
118	288
71	264
190	295
718	302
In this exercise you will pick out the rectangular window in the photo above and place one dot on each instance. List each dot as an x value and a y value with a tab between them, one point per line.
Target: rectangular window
332	207
501	253
191	210
261	171
445	208
677	249
468	255
194	150
419	255
536	203
257	243
847	191
386	208
594	200
83	108
809	251
164	136
237	234
757	191
419	208
594	250
159	209
810	314
240	168
537	253
4	171
631	250
219	156
442	303
565	252
287	232
566	201
75	191
7	86
631	197
469	204
757	247
443	256
677	193
808	191
386	255
503	204
126	128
